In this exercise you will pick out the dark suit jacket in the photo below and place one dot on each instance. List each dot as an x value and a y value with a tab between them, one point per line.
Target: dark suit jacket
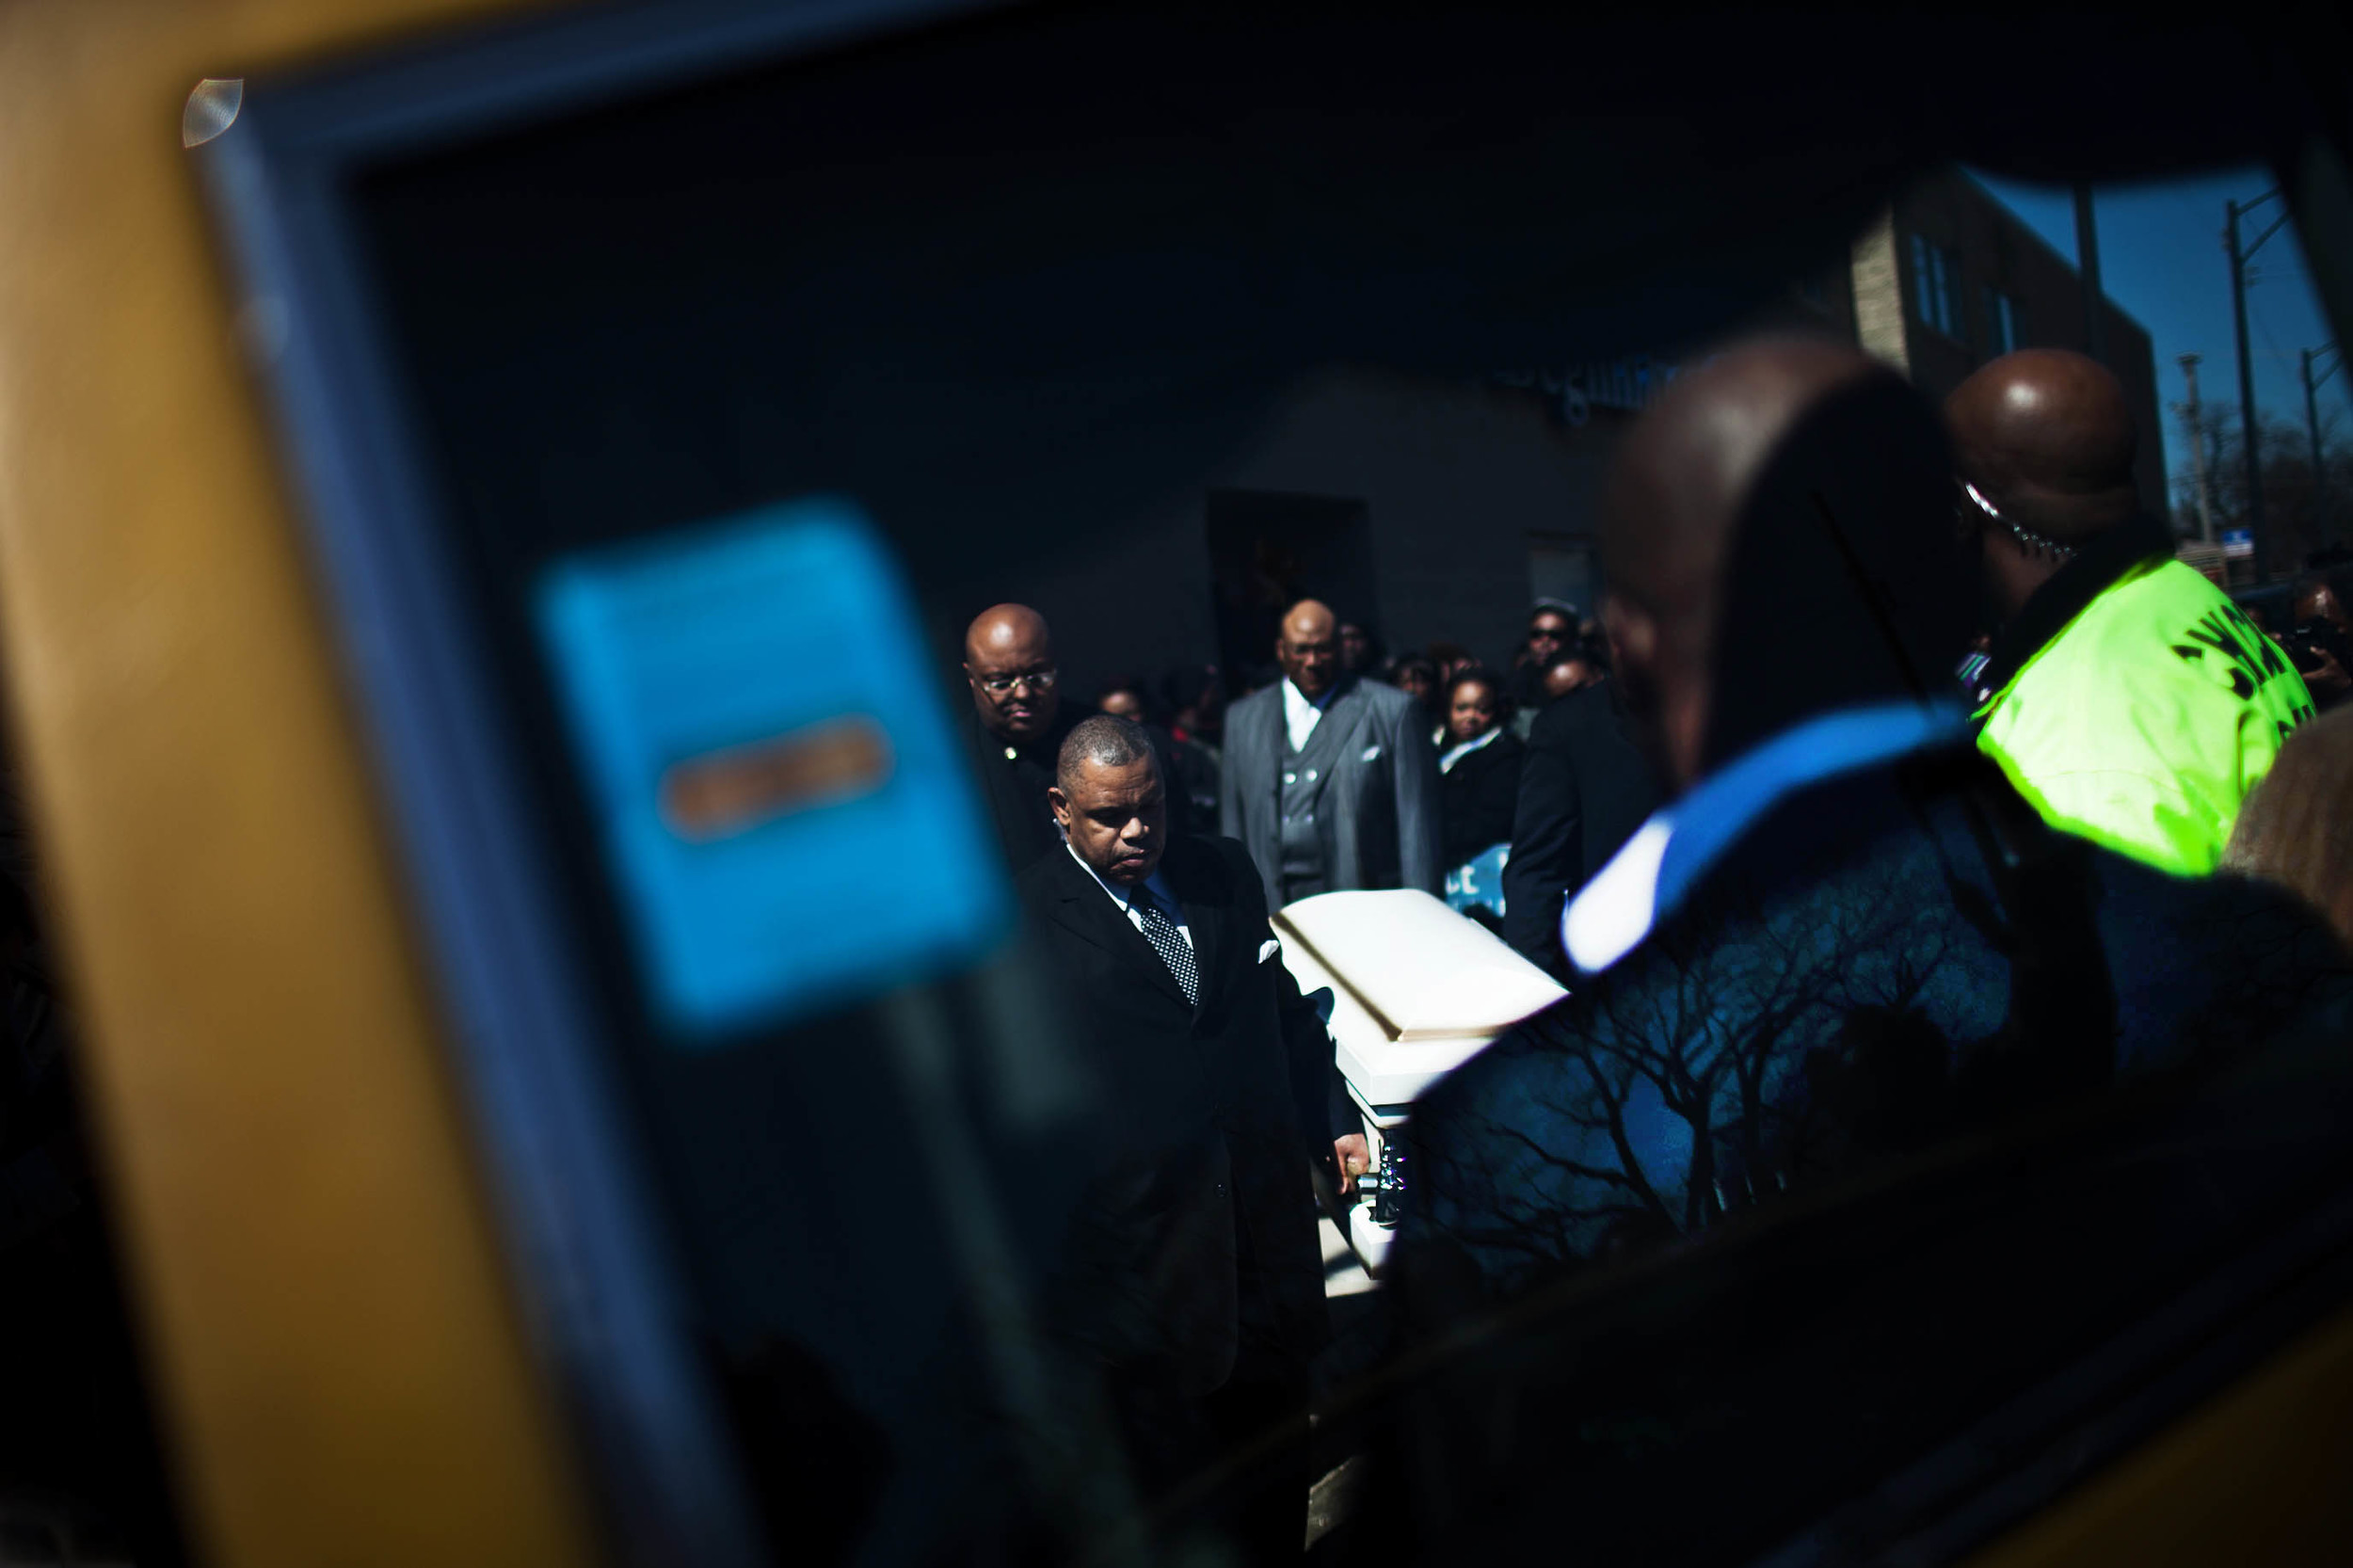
1198	1249
1014	786
1584	789
1379	818
1477	797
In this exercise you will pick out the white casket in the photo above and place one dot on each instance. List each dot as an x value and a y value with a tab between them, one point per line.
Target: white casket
1416	989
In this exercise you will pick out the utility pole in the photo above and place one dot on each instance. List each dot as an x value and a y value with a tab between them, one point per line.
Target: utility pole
2232	212
2311	428
2087	260
2198	449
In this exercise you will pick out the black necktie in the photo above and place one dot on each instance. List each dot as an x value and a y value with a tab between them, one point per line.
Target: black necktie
1161	932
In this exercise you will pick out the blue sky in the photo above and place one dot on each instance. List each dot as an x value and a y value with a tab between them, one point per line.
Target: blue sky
2161	259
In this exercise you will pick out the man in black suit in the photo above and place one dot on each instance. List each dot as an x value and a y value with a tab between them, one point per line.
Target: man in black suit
1551	633
1585	787
1196	1280
1018	725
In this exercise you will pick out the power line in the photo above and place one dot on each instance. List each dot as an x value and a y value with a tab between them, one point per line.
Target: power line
2255	309
2239	252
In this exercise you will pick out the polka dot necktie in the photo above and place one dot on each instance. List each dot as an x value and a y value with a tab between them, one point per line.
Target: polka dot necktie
1161	932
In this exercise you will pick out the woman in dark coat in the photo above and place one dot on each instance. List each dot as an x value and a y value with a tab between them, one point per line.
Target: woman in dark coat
1480	759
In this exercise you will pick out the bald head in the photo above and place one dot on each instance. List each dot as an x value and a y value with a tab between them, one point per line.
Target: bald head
1310	620
1689	464
2047	435
1670	511
1002	627
1308	647
1573	674
1009	662
1778	535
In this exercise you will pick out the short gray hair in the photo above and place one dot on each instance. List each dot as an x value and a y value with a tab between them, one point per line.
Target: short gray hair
1107	741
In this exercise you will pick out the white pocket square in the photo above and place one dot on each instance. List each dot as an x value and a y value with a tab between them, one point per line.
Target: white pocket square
1371	753
1268	948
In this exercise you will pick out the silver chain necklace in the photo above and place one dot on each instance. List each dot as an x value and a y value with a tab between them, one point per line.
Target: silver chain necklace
2019	531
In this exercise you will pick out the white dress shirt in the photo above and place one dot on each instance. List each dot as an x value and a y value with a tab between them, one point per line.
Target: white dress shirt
1455	754
1300	711
1169	906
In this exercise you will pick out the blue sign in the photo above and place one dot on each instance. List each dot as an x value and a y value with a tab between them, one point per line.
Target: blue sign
2237	543
1632	384
1478	880
782	802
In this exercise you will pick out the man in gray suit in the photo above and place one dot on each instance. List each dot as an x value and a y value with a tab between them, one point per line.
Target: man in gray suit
1330	781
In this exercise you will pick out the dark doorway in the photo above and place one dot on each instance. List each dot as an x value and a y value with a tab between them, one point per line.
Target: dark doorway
1268	550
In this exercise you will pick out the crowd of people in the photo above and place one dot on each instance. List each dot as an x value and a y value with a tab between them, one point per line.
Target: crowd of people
1477	724
1911	872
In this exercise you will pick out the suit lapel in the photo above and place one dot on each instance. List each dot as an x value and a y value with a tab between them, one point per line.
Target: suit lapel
1082	908
1334	734
1273	726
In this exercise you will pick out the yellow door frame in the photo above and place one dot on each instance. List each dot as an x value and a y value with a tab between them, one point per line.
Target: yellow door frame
2261	1473
339	1357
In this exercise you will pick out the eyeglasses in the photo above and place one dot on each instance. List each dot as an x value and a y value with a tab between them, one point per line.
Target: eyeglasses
1971	501
1037	680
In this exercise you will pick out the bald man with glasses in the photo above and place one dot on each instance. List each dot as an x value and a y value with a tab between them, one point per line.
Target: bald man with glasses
1018	723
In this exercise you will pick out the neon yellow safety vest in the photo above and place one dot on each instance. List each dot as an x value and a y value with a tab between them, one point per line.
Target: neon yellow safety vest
2145	720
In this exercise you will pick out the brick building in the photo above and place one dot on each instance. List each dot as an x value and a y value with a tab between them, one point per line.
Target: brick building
1947	278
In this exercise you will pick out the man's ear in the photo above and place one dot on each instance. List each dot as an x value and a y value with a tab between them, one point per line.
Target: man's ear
1058	803
1631	630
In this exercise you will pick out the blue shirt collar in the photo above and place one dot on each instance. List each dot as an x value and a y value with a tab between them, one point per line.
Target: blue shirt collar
1291	693
1647	879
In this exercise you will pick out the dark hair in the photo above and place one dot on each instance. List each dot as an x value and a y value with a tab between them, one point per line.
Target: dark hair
1129	683
1490	678
1421	662
1186	685
1105	740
